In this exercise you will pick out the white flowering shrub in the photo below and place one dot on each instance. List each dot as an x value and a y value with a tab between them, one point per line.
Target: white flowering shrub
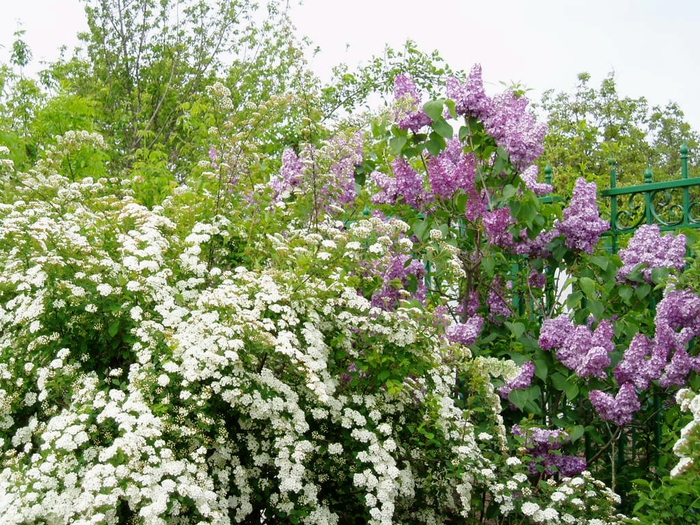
178	365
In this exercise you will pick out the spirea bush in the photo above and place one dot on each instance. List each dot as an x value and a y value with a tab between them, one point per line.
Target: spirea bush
366	334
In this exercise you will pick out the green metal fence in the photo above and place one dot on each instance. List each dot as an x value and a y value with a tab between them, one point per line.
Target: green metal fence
671	204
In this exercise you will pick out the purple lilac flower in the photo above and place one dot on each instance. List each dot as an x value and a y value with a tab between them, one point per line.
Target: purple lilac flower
676	372
529	177
496	227
537	279
544	446
465	333
389	296
415	118
498	307
290	175
213	155
389	192
514	128
650	248
407	183
619	409
349	154
524	380
470	304
578	348
470	98
640	364
452	170
582	225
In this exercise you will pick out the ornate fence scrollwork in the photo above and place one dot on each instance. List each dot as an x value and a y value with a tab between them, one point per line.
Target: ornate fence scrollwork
670	204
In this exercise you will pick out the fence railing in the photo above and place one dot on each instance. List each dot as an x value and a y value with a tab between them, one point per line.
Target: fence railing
670	204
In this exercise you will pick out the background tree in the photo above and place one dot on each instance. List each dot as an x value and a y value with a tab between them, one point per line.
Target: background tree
589	127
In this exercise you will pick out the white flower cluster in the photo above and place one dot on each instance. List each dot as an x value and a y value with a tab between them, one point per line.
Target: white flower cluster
134	372
687	445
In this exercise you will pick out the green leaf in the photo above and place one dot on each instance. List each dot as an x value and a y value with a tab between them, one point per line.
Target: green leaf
113	328
571	391
397	143
517	329
573	301
433	108
519	398
541	369
588	286
577	432
436	144
419	228
625	293
642	290
443	128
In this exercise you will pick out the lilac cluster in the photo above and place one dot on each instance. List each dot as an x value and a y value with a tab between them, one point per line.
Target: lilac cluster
465	333
407	184
653	250
515	129
577	347
582	225
506	118
619	409
496	301
544	446
291	174
497	225
348	155
524	380
399	269
677	323
470	98
529	177
414	118
451	171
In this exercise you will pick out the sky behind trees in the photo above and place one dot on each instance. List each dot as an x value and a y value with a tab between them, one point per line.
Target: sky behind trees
651	45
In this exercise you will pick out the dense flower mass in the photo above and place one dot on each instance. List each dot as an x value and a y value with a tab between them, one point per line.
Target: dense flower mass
515	129
649	249
619	409
523	380
579	348
470	98
410	115
582	225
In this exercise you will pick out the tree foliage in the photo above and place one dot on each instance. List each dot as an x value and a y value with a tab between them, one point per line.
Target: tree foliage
591	127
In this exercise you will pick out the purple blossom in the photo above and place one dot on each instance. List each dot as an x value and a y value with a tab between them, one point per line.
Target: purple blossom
407	183
653	250
465	333
470	98
537	279
514	128
452	170
619	409
529	177
348	155
640	364
578	348
498	307
496	227
524	380
415	117
291	174
582	225
676	372
544	446
399	269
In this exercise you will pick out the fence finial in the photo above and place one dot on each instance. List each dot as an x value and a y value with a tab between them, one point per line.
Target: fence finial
684	160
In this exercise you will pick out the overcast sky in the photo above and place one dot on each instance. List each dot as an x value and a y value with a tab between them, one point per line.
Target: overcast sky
653	46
